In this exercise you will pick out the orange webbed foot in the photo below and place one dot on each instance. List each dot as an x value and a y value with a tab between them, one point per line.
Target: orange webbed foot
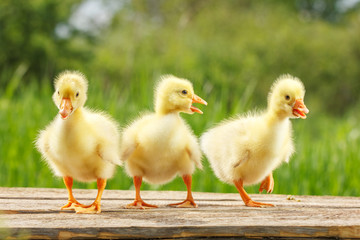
246	198
90	209
188	203
252	203
267	184
70	205
140	204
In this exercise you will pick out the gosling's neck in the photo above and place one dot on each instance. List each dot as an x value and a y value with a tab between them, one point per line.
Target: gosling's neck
164	113
77	115
275	117
162	110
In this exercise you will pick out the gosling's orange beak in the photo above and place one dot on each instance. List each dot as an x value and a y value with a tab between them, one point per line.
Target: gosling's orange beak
197	99
299	109
65	108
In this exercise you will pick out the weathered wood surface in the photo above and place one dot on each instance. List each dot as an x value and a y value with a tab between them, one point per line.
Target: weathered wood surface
34	213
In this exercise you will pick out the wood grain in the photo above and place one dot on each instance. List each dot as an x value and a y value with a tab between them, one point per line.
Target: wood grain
34	213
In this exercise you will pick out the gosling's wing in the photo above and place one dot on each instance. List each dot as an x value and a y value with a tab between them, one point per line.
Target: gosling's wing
192	145
226	143
194	152
131	136
288	146
42	142
242	157
107	134
109	151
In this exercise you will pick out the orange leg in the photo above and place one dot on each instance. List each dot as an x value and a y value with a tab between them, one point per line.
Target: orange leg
72	201
246	198
139	203
189	201
267	184
95	207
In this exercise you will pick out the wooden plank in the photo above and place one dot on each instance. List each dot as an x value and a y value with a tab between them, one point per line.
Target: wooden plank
34	213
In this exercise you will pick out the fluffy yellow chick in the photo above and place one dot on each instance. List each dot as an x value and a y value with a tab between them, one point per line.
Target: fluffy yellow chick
246	150
79	143
160	145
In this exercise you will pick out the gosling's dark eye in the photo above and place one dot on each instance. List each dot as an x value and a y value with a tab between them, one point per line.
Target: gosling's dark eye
77	94
184	92
58	92
287	97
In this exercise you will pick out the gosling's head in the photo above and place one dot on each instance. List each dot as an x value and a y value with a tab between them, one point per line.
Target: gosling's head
70	92
286	97
174	94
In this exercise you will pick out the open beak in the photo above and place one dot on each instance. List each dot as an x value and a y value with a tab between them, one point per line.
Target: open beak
197	99
66	108
299	109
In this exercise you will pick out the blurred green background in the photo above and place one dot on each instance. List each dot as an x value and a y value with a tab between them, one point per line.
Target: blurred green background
231	50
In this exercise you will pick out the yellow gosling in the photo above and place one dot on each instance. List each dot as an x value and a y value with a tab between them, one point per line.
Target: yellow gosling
245	150
79	143
158	146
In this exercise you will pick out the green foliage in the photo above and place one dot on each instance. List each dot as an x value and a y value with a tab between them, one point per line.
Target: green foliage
28	37
233	44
